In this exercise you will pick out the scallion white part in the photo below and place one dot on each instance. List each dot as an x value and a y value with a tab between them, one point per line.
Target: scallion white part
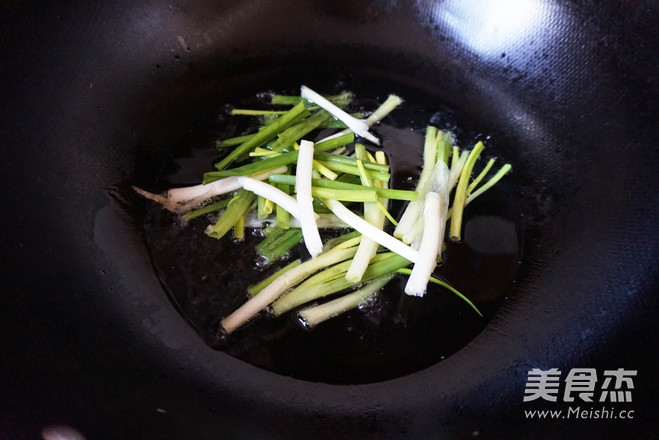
269	192
359	127
438	182
317	314
370	231
283	283
383	110
456	168
430	245
216	188
305	200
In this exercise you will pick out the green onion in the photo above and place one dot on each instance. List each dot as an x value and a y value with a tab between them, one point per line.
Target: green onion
474	183
341	100
502	172
232	142
278	243
283	216
373	215
284	282
293	134
256	288
263	136
212	207
394	194
305	199
370	231
461	193
358	126
354	170
336	158
315	315
235	210
384	264
248	112
345	195
447	286
277	161
434	220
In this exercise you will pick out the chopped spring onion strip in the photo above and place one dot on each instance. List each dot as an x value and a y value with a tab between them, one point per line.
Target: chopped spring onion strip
284	282
385	108
276	161
458	163
333	242
502	172
371	231
283	216
278	243
447	286
236	209
239	228
359	127
256	288
212	207
315	315
395	194
474	183
264	135
288	137
372	166
232	142
248	112
354	170
381	264
461	192
414	210
305	199
373	215
345	195
270	192
430	246
341	100
216	188
323	170
439	184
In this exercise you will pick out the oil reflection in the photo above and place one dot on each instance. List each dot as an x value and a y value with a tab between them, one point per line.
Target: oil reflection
493	27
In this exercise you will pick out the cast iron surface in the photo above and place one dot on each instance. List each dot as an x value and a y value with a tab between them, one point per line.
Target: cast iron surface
90	92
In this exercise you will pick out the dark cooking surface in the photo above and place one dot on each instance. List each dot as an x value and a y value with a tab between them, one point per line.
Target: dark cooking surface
90	91
396	334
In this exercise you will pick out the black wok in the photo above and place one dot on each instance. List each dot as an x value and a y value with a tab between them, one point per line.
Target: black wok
94	95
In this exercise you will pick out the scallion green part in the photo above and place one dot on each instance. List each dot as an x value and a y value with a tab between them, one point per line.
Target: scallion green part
447	286
461	192
211	207
263	136
394	194
381	264
288	137
340	100
235	209
274	162
313	316
278	243
232	142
